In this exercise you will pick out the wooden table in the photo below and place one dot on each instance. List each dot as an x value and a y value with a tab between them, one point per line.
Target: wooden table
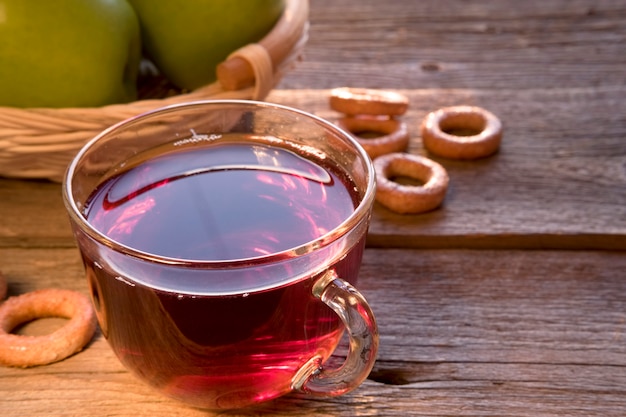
509	300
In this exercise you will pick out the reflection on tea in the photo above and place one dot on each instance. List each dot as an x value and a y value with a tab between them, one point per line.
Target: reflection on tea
223	201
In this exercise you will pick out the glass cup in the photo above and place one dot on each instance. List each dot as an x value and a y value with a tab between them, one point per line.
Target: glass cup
221	241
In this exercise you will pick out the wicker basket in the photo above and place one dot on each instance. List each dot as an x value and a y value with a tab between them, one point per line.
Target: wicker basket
39	143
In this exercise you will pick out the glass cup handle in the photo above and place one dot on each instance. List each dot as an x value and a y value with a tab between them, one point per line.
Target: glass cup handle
360	324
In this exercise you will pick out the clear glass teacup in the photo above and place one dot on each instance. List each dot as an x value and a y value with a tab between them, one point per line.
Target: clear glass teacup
221	241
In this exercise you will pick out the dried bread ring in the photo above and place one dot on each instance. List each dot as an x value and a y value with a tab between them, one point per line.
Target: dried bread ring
410	199
3	286
355	101
461	132
25	351
395	134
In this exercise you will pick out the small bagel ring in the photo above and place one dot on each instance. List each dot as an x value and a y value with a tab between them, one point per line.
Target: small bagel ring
25	351
3	286
438	137
355	101
407	199
395	134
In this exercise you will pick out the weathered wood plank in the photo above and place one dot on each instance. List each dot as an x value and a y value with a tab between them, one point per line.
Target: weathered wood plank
410	44
559	180
32	214
466	333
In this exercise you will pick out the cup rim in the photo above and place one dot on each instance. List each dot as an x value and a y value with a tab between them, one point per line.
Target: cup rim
351	222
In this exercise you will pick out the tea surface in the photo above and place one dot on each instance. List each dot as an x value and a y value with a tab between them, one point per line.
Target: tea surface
226	201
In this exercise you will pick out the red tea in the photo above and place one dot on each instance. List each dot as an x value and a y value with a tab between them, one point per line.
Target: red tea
208	339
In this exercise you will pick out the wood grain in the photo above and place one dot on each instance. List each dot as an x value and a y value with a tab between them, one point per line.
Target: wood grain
407	44
558	181
32	214
463	332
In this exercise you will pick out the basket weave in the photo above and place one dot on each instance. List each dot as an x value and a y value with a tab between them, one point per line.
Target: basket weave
39	143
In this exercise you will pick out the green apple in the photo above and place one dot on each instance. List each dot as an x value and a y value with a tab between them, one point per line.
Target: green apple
68	53
186	39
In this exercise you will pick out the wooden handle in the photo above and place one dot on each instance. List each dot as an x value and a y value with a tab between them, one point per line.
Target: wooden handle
236	73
